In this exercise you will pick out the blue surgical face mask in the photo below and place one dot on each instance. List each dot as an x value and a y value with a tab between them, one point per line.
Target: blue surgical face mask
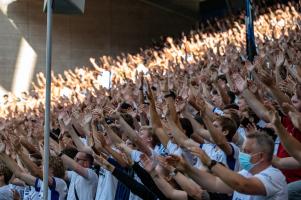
245	161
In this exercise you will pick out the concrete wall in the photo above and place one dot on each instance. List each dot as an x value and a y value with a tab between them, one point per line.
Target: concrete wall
107	27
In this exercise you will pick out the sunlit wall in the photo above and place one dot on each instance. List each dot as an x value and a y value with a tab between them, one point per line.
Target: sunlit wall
107	27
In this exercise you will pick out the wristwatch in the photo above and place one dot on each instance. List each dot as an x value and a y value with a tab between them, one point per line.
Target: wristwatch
212	164
173	173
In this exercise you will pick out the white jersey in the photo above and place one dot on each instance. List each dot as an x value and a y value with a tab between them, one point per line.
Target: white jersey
107	185
57	191
30	193
85	188
215	153
273	181
6	193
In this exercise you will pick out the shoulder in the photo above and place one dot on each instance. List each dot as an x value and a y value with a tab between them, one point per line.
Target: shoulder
91	174
271	174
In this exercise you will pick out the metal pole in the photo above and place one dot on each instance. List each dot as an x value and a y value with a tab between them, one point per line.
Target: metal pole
47	99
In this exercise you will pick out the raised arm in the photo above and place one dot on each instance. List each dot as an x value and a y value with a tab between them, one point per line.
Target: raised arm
218	137
78	143
197	128
229	178
155	119
251	99
170	100
13	166
187	184
269	82
286	163
161	183
134	137
291	144
30	148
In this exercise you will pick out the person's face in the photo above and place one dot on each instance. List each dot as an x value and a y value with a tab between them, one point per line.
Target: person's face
145	136
296	102
217	100
82	160
242	104
217	125
67	140
250	147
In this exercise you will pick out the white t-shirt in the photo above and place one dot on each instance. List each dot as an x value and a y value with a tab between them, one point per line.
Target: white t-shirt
107	185
30	193
85	187
58	191
158	150
215	153
173	148
6	193
273	181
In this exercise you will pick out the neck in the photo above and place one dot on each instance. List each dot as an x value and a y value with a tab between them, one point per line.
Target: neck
260	167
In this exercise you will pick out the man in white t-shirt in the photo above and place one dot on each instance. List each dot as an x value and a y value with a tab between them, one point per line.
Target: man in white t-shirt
83	180
257	181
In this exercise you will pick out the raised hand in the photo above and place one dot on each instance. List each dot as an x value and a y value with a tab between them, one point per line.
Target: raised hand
279	60
240	83
201	154
267	78
148	163
177	162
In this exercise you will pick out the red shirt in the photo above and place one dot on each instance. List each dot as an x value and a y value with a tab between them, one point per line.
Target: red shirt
291	175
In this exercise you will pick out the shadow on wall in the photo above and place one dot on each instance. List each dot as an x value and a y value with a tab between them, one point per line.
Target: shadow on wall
9	44
107	27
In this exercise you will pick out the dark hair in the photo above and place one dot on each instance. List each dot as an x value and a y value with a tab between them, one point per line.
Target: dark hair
232	97
234	116
264	142
57	166
186	125
229	125
231	106
199	119
90	158
150	133
70	151
6	172
222	77
125	106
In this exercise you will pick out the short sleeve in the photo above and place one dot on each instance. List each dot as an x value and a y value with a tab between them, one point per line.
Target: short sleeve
69	175
269	182
91	174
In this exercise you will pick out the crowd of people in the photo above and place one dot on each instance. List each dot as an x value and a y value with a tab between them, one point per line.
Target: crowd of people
187	119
